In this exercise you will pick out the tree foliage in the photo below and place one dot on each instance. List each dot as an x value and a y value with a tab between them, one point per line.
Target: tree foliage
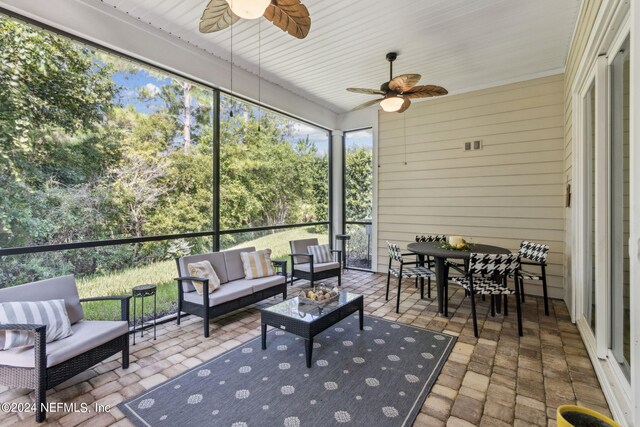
358	183
46	83
87	155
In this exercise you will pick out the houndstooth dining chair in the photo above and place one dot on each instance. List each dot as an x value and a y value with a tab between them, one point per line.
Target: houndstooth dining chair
405	270
534	255
487	275
429	261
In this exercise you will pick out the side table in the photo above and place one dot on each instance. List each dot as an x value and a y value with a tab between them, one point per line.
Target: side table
141	292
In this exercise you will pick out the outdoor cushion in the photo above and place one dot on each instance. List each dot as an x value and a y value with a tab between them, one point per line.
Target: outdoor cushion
228	292
216	259
50	313
318	267
262	283
300	247
235	270
87	335
321	253
58	288
203	270
257	264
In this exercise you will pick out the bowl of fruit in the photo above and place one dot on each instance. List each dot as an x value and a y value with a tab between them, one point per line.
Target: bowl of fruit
320	295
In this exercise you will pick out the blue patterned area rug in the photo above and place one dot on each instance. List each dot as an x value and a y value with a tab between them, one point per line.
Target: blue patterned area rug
376	377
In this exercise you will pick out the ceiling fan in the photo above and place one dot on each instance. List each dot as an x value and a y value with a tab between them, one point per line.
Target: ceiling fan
398	91
288	15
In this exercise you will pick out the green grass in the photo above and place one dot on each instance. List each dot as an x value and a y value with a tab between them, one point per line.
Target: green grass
279	242
162	274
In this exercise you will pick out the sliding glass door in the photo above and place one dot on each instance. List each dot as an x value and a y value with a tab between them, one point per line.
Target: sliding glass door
619	210
603	218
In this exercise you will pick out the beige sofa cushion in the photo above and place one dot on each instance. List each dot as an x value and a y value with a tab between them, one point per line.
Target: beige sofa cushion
257	264
227	292
318	267
87	335
262	283
235	269
216	259
203	270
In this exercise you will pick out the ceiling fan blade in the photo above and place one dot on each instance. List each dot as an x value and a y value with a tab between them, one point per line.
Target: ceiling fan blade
367	104
217	16
406	104
290	16
404	82
365	91
425	91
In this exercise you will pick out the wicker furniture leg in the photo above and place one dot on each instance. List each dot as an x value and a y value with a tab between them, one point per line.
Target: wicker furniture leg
40	347
308	350
264	336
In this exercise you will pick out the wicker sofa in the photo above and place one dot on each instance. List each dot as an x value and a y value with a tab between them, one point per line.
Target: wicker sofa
236	291
44	366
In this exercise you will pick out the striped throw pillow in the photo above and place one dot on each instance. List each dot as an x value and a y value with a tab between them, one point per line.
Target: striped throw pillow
257	264
51	313
321	254
204	270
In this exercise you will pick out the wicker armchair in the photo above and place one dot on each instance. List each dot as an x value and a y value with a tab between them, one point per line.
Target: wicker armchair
44	366
303	266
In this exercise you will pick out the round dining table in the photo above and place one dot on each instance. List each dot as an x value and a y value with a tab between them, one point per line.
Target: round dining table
440	256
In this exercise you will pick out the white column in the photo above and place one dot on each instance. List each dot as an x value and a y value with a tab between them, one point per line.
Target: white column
337	180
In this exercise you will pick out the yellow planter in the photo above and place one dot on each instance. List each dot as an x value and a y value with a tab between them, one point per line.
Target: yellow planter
562	422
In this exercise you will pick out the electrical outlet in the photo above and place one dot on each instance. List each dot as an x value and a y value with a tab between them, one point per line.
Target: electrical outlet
477	145
467	146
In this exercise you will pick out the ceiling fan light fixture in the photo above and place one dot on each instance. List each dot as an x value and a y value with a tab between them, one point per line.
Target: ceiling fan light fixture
249	9
391	103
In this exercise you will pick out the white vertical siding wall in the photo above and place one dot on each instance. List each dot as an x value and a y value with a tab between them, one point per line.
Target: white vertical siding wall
510	190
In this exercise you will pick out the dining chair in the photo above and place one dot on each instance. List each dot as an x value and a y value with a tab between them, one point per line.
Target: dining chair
487	275
430	263
533	255
405	270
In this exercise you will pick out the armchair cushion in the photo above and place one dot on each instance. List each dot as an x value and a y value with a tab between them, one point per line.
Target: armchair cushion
300	247
204	270
57	288
257	264
50	313
86	336
321	253
317	267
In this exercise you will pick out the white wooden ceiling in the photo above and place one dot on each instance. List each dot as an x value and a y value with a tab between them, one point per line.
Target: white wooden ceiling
458	44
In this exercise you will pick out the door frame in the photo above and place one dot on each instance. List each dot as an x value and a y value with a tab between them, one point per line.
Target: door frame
609	31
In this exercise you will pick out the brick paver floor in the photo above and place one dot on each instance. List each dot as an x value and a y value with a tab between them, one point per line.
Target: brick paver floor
496	380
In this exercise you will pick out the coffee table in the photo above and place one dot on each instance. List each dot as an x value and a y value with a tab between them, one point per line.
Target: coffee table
308	320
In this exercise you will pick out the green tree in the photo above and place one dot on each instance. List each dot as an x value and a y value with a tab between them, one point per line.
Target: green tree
358	183
46	82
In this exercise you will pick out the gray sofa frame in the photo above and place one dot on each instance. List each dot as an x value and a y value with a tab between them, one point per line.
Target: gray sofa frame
207	312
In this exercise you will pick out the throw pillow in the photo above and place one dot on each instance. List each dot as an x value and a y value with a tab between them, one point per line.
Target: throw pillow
257	264
51	313
321	254
203	270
